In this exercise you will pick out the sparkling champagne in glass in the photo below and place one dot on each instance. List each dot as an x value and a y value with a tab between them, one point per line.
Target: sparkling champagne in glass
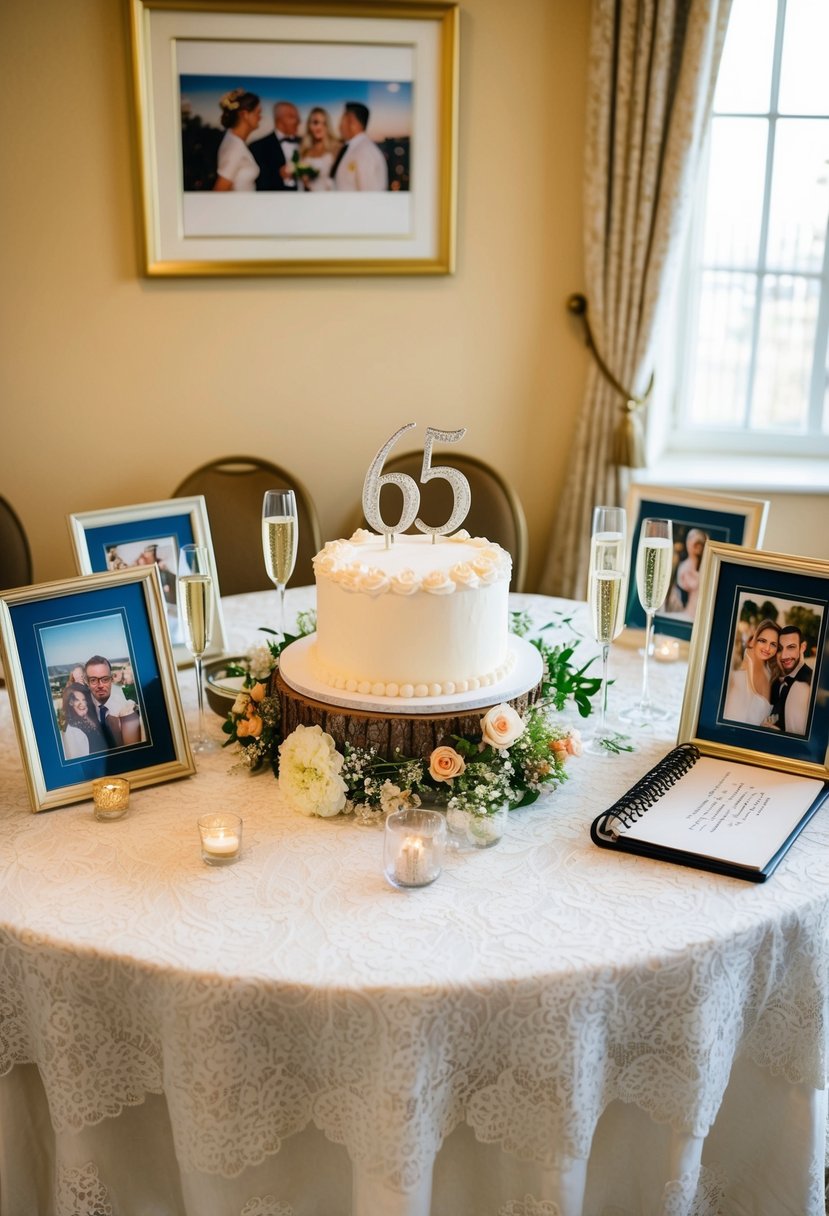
195	608
280	534
605	597
654	565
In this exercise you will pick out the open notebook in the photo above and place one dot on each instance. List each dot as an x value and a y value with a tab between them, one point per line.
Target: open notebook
722	815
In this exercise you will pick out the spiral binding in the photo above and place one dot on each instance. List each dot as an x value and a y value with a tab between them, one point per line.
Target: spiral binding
647	790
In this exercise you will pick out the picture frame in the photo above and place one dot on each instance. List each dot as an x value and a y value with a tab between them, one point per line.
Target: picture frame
126	535
747	597
725	518
197	65
50	634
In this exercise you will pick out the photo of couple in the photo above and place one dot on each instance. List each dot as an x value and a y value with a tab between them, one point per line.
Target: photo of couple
96	701
295	135
161	552
683	593
771	682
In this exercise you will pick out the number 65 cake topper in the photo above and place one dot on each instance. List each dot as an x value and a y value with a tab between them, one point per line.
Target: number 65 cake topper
376	479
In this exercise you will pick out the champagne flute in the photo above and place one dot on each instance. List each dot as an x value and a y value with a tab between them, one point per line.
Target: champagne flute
605	586
280	534
195	608
654	565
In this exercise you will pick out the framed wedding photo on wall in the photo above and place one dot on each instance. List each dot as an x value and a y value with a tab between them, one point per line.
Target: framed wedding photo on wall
304	139
758	671
697	517
92	684
151	534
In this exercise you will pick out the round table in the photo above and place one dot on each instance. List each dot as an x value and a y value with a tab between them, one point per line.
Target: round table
548	1030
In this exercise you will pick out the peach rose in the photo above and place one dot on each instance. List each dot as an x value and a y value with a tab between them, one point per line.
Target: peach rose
501	726
445	763
254	727
258	692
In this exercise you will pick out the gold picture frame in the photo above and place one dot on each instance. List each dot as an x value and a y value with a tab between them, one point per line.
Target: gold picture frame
197	65
726	518
742	593
121	535
49	633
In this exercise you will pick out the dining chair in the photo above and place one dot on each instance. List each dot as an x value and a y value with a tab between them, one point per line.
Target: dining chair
15	555
233	488
495	511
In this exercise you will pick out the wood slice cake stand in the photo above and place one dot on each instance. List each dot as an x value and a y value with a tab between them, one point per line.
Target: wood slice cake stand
415	730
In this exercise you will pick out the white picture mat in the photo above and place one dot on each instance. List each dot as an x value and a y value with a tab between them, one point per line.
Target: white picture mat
381	226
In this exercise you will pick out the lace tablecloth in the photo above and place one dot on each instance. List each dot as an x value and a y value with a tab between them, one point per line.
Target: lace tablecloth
531	987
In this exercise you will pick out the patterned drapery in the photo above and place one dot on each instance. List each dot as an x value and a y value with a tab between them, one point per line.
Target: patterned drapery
651	75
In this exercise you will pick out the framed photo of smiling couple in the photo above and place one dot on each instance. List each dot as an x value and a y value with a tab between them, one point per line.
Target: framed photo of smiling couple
92	684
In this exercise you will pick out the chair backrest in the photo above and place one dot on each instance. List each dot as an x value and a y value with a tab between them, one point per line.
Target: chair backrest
233	488
15	555
495	511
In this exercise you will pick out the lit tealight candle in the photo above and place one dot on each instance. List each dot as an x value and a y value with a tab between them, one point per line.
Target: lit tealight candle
413	847
111	796
221	838
666	650
412	863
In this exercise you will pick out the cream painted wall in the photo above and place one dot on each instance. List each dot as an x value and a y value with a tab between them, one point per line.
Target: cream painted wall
115	386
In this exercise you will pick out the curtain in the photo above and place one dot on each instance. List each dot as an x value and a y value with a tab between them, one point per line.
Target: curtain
651	73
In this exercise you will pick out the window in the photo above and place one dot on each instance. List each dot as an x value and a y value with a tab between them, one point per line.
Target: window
753	372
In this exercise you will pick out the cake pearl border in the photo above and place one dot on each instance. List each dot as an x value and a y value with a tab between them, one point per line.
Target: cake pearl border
525	669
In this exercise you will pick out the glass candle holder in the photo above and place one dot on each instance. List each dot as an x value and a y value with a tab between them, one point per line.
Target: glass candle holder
221	839
111	796
413	847
477	831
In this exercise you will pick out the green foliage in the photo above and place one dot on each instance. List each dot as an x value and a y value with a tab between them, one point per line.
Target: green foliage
563	680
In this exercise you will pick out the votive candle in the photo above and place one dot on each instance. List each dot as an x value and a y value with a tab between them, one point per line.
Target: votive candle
111	796
221	838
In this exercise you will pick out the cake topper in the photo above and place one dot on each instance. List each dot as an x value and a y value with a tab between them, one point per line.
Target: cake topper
376	479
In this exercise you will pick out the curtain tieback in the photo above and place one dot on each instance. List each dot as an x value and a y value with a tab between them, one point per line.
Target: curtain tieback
629	439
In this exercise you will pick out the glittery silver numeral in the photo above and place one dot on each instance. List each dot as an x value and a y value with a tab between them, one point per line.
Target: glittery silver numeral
375	479
460	486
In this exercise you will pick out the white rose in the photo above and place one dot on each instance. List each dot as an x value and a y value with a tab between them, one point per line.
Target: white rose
241	703
464	575
351	577
374	582
438	583
485	569
405	583
501	726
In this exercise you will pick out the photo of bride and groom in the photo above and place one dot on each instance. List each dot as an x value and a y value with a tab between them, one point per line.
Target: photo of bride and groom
295	135
771	684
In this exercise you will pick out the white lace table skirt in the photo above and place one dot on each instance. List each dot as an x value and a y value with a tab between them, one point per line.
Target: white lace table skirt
549	1029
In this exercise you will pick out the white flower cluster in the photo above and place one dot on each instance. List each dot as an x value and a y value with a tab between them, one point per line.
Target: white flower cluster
260	661
309	772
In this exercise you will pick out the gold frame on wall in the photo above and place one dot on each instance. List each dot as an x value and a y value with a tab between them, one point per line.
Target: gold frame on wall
423	238
54	779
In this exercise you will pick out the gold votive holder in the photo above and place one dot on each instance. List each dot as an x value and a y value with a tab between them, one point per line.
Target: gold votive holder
221	839
111	796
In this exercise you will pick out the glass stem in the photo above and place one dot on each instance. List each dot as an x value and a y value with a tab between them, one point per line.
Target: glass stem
200	696
281	587
602	727
645	703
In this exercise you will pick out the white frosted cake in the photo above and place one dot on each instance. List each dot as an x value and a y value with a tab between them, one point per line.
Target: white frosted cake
415	619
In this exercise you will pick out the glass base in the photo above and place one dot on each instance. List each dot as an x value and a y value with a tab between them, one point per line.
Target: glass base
643	716
212	859
200	746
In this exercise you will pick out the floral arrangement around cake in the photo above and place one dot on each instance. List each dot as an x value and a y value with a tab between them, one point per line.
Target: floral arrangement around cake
510	762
